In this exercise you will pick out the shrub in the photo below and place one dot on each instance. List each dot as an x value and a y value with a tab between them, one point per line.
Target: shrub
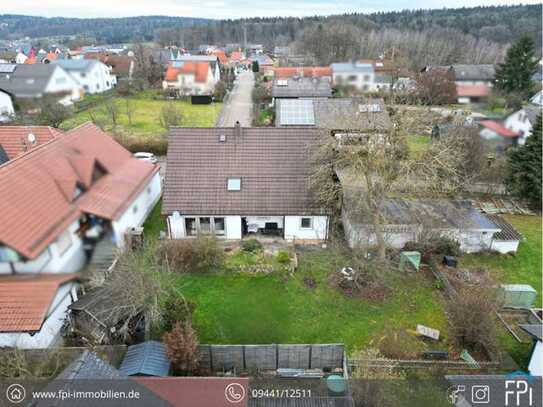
196	255
182	347
431	244
251	246
283	257
471	320
398	345
176	308
155	145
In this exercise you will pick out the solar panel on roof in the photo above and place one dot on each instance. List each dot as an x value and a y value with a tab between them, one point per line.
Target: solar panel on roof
7	68
297	113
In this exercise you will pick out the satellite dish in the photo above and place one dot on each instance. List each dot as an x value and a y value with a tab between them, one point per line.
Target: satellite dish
32	138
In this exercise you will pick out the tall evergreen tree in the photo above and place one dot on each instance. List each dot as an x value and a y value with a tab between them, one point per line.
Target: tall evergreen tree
524	176
515	74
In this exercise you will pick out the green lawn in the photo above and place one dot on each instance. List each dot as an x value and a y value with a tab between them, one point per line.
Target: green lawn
155	222
145	115
524	268
274	308
418	144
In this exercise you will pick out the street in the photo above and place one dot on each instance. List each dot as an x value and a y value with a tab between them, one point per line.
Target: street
239	105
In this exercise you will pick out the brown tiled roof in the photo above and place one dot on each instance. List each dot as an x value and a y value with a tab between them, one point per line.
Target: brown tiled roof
273	164
508	232
25	300
15	141
38	187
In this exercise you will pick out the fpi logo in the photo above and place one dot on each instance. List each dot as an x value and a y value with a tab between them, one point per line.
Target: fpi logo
518	389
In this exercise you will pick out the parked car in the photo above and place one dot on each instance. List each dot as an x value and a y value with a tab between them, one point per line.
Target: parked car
146	157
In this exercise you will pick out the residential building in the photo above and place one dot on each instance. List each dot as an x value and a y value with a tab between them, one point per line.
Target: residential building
20	58
232	182
212	60
30	82
365	76
76	188
121	66
93	76
264	61
302	87
6	106
409	219
339	115
473	82
537	99
535	365
497	136
34	308
522	121
190	79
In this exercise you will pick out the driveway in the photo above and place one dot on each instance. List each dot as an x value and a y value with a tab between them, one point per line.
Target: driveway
239	105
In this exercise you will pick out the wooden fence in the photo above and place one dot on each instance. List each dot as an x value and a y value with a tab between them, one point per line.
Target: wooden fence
271	357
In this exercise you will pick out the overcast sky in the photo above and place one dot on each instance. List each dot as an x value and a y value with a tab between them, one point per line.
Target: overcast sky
225	8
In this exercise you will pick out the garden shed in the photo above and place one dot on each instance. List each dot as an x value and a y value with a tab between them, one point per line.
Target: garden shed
146	359
518	295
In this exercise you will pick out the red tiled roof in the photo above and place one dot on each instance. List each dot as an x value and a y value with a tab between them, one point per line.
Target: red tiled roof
30	61
195	391
236	56
310	71
198	69
221	55
51	56
14	139
472	90
25	300
499	128
37	188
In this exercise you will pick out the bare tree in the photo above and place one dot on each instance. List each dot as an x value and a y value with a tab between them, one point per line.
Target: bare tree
129	110
170	115
111	111
182	347
435	87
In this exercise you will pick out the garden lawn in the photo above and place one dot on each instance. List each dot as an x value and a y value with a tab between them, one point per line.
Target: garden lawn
524	268
236	308
155	222
418	144
145	115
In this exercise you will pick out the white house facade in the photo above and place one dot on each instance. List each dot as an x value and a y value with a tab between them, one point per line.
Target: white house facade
255	185
6	107
92	75
522	121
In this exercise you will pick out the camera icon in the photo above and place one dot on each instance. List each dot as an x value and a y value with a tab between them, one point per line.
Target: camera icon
480	394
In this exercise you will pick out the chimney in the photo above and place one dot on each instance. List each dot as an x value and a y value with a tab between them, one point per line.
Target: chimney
237	130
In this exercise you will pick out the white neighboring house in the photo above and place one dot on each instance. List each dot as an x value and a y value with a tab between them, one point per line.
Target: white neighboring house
237	182
92	75
20	58
190	78
358	75
6	107
57	202
38	80
522	121
212	60
537	99
59	189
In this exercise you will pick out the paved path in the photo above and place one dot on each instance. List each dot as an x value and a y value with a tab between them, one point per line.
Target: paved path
239	106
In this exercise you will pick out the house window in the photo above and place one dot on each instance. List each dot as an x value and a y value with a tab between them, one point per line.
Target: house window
352	78
190	226
135	209
64	242
219	226
149	190
306	223
83	74
234	184
366	78
205	225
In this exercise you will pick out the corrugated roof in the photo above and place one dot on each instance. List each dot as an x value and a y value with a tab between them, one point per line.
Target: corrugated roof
146	359
302	87
25	300
508	232
36	207
536	330
89	366
273	164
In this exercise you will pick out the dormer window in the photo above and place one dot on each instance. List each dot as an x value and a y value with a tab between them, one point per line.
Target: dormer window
233	184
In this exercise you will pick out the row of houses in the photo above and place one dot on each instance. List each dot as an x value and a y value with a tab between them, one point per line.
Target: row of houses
65	193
